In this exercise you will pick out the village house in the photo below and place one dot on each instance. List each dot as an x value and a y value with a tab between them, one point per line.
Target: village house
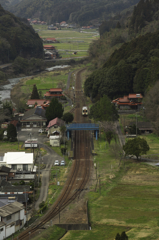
53	128
50	40
53	92
132	101
38	102
12	219
19	161
34	118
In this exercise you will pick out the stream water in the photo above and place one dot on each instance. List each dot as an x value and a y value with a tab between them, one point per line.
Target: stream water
5	90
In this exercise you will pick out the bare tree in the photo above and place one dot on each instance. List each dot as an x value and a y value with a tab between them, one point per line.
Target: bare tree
109	129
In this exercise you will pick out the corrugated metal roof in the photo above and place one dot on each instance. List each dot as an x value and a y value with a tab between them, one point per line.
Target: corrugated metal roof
10	209
18	158
83	126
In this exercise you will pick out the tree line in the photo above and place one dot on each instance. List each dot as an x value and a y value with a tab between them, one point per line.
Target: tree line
17	38
81	12
130	69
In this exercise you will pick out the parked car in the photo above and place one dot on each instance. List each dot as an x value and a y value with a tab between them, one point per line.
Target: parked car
62	163
41	130
56	163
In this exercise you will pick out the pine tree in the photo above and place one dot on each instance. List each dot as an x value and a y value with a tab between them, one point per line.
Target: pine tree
117	237
123	236
54	110
35	94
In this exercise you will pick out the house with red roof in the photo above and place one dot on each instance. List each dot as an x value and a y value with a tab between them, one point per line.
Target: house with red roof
53	92
48	47
132	101
50	40
53	128
38	102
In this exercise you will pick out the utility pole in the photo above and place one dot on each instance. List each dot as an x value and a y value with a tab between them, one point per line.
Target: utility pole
39	167
136	124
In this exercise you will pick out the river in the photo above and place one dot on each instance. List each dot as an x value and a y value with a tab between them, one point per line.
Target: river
5	90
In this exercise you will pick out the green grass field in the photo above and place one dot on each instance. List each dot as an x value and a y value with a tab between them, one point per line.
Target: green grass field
70	40
126	199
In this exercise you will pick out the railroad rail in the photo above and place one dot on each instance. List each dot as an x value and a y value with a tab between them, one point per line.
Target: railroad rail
79	174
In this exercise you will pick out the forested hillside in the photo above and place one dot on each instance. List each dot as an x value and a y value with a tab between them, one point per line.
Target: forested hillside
17	38
131	68
81	12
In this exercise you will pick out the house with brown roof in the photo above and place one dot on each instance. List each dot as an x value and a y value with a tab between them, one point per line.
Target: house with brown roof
132	101
53	92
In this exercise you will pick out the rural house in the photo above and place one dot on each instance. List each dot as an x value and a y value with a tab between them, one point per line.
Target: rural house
19	161
53	92
53	128
132	101
12	219
34	118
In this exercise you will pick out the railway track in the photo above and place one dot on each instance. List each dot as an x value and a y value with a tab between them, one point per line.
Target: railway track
79	174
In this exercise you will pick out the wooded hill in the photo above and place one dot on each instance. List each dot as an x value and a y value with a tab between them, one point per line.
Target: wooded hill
75	11
17	38
131	68
126	56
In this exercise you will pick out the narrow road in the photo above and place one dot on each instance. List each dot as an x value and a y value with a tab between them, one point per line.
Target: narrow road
49	160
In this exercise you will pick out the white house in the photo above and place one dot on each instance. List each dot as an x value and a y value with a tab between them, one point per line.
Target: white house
12	218
55	141
20	161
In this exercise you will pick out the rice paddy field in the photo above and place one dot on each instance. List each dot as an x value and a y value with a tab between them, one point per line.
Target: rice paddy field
70	40
125	198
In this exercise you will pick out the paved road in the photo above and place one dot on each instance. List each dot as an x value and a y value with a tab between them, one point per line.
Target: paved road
48	159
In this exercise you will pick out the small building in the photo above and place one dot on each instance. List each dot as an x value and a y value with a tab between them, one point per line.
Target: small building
31	143
53	128
12	219
132	101
48	47
19	161
54	92
34	118
54	141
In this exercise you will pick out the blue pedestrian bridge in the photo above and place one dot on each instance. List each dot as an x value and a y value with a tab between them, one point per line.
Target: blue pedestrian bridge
82	126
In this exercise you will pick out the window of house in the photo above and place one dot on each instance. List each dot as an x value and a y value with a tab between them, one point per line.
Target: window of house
14	166
25	167
1	229
8	217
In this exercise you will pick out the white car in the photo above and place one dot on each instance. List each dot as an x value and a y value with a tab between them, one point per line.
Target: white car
41	130
56	163
62	163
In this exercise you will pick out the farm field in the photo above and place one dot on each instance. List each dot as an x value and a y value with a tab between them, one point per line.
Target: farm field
70	41
125	200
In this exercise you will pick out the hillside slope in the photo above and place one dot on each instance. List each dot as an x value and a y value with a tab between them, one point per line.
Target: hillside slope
81	12
131	68
17	38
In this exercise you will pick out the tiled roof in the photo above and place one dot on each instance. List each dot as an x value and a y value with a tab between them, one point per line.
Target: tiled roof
33	101
135	95
48	94
55	121
55	90
10	209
